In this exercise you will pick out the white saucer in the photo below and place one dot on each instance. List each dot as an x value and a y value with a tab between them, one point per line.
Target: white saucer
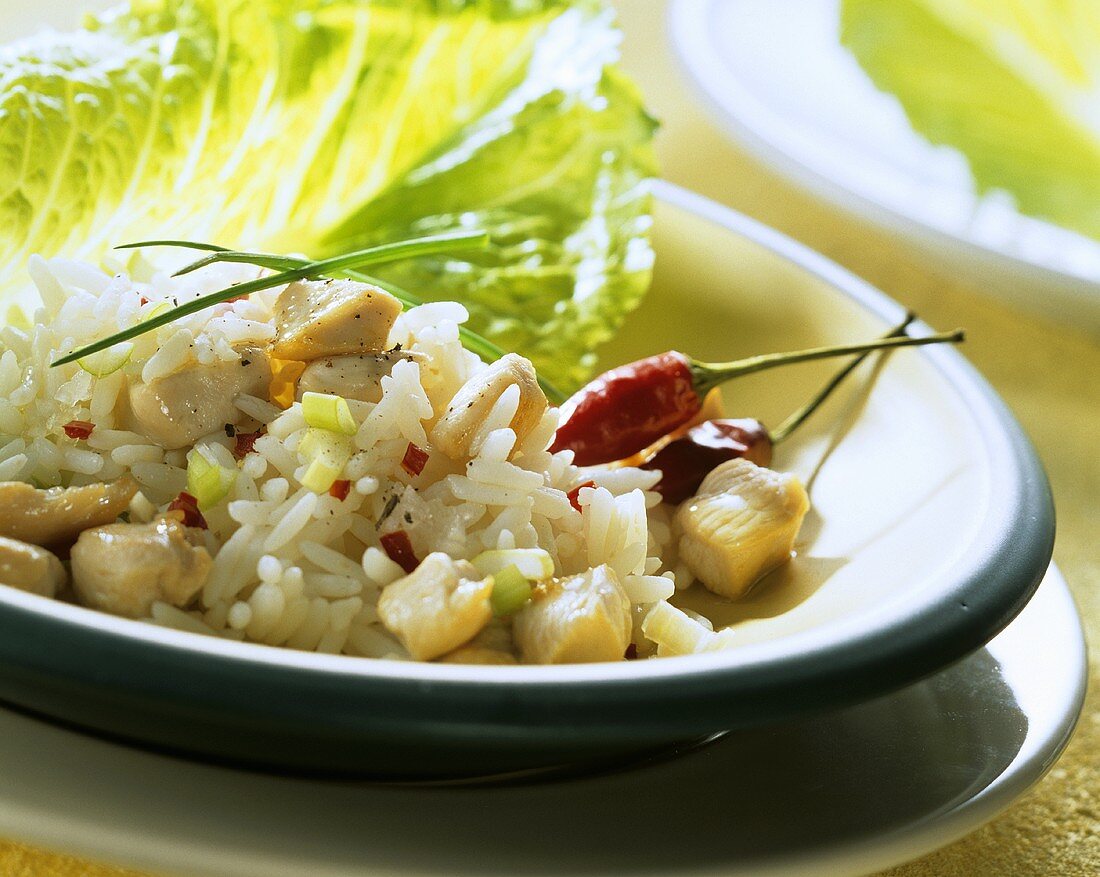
846	792
781	84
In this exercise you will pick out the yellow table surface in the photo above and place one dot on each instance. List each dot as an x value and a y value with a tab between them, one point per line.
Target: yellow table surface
1048	373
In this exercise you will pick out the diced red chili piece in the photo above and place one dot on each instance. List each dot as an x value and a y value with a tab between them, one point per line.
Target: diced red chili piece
143	301
575	494
340	489
399	549
187	504
78	429
631	652
246	443
625	410
416	458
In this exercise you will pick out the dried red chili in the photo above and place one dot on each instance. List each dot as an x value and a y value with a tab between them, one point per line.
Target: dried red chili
415	459
187	504
340	489
685	462
575	494
245	443
687	459
399	549
627	409
78	429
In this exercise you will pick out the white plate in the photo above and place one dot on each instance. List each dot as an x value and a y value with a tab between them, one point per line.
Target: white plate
845	792
781	84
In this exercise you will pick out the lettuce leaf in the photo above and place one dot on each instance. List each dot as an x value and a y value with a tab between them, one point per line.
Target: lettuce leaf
1013	84
318	125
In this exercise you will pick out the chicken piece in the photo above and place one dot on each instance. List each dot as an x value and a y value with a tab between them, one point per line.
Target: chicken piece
318	318
30	568
124	568
579	619
470	406
58	515
740	525
492	646
353	377
176	410
478	655
438	607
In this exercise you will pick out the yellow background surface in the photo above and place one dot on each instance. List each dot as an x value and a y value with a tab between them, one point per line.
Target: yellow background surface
1048	373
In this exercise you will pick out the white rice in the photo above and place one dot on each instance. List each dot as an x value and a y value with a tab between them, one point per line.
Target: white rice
291	567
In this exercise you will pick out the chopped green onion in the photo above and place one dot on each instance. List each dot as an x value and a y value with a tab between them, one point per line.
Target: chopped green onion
534	563
207	480
107	361
321	474
326	453
333	413
511	590
674	631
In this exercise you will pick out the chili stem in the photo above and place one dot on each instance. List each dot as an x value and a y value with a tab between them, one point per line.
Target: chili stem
800	416
709	375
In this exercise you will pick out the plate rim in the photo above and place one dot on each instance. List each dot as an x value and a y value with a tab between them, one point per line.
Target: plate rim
759	681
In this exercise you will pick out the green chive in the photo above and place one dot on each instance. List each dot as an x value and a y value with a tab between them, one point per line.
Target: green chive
384	253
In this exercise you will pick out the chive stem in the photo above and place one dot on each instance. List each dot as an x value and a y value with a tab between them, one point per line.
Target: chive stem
373	255
708	375
800	416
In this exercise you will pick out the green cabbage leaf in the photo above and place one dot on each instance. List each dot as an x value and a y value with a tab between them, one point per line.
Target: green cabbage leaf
316	126
1013	84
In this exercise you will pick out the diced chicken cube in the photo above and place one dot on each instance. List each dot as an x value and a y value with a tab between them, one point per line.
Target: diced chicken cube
177	410
318	318
492	646
30	568
353	377
579	619
438	607
56	516
455	430
478	655
740	525
124	568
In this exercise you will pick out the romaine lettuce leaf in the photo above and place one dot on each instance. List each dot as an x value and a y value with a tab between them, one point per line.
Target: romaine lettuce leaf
1013	84
318	125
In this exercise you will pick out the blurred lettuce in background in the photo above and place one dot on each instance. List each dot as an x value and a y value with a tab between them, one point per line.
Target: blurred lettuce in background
318	126
1013	84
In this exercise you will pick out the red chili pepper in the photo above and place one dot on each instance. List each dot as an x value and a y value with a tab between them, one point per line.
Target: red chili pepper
631	653
627	409
340	489
143	301
415	459
575	494
399	549
187	504
78	429
686	461
245	443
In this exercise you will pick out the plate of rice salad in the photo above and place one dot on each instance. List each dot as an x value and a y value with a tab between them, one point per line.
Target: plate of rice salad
306	525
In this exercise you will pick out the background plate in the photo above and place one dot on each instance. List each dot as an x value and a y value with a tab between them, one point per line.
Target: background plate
841	793
778	80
